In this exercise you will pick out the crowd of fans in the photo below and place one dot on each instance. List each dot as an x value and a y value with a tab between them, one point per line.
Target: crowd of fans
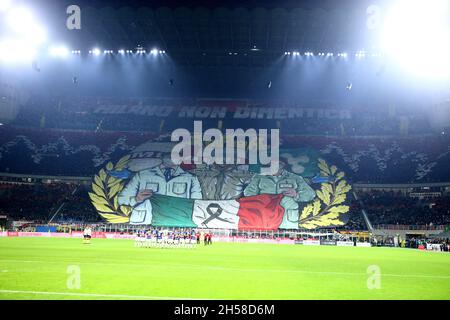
389	207
39	202
364	160
356	219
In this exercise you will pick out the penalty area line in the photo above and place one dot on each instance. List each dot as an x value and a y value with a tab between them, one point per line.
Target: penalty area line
96	295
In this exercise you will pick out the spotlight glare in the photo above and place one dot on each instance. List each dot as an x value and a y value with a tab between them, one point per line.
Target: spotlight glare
95	51
154	52
412	30
5	5
21	21
16	50
59	51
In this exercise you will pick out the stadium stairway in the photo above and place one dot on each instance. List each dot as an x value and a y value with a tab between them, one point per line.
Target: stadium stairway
363	212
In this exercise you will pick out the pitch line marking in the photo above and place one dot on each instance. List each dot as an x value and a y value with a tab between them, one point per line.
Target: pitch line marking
235	269
98	295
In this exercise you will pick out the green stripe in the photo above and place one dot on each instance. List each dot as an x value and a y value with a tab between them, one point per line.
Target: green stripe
172	211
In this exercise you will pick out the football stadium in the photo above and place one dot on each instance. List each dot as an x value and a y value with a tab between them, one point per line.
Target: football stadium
243	150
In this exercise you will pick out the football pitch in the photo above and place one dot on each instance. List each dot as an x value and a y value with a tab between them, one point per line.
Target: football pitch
64	268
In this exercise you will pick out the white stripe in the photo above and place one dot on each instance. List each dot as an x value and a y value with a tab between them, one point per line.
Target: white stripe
184	266
98	295
228	218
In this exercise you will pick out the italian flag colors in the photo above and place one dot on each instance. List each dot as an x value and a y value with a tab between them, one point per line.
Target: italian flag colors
256	212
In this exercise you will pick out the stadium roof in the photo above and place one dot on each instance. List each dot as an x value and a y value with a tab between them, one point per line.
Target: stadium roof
252	33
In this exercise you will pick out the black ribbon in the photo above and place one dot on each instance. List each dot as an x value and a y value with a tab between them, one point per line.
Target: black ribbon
214	215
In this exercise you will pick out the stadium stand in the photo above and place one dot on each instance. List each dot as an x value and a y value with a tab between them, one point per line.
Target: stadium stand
87	113
388	207
364	159
37	202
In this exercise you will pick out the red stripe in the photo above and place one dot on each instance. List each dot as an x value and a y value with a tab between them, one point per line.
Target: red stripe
260	212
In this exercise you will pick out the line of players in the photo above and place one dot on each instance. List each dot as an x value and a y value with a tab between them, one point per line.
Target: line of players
187	238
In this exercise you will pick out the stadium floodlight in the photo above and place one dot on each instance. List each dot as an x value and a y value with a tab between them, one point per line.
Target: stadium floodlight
21	21
121	51
414	28
360	54
154	52
60	51
95	51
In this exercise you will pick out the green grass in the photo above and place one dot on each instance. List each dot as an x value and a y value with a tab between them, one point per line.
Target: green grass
221	271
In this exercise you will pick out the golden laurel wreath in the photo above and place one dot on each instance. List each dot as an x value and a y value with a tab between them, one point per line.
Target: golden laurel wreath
326	208
105	195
